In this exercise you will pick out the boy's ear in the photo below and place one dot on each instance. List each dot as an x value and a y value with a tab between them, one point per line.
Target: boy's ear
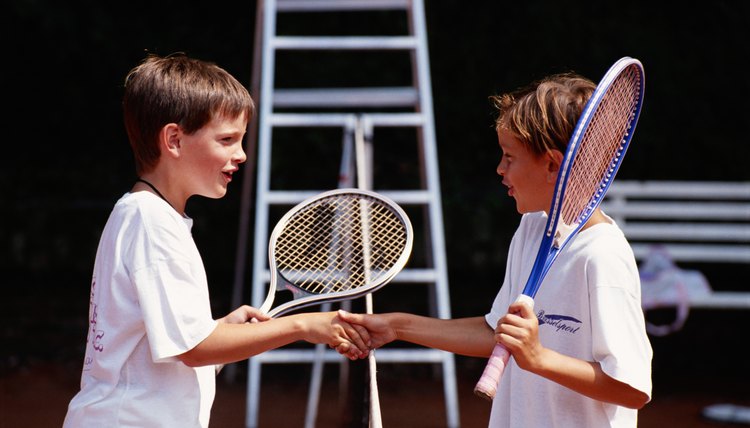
169	139
554	160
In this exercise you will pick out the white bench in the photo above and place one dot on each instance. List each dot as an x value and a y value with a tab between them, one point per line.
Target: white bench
695	221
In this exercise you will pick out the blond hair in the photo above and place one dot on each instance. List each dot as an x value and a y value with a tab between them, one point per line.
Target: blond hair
544	114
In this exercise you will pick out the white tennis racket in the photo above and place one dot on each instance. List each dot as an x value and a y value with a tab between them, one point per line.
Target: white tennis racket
593	156
338	245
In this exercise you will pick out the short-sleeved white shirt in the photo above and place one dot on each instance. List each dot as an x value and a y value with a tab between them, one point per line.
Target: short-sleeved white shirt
588	307
149	303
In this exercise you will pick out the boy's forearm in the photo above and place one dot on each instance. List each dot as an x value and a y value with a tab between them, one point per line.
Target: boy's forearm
235	342
588	378
463	336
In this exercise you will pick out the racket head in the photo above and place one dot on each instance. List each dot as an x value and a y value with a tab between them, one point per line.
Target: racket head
594	154
597	147
337	245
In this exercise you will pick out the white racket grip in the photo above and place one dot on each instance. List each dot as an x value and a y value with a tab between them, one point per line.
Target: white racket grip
490	380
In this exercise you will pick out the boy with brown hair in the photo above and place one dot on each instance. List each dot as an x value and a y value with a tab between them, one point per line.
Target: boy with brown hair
153	346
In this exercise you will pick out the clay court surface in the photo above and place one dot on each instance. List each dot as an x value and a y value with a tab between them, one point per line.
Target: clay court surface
41	353
36	396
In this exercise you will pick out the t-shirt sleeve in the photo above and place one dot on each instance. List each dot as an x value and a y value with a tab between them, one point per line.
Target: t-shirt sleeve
620	343
175	307
167	273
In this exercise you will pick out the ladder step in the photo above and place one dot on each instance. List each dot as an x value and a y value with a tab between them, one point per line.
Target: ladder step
346	97
408	197
339	5
416	275
344	43
280	197
293	197
340	107
405	276
347	120
415	355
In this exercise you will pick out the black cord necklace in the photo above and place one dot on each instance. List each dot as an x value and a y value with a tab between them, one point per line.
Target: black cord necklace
155	190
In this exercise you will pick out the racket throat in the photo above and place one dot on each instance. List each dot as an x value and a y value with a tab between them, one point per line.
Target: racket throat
562	233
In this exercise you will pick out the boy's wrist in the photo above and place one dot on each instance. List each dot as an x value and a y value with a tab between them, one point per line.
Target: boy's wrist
300	326
398	323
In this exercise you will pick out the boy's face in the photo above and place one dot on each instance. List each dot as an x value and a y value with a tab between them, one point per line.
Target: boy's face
212	154
530	178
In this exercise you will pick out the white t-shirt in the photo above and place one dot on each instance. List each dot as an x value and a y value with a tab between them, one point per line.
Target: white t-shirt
588	307
149	303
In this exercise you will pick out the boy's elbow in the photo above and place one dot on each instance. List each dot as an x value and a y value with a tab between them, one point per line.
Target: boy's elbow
193	358
638	400
644	400
203	354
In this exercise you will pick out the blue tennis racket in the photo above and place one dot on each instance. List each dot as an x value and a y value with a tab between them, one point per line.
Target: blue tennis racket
592	158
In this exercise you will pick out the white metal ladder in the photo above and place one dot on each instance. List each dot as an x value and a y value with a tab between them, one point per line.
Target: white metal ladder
350	109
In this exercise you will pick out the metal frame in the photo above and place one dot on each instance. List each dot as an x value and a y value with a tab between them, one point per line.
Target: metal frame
418	96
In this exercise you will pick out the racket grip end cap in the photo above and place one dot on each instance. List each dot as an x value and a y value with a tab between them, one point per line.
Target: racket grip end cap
486	392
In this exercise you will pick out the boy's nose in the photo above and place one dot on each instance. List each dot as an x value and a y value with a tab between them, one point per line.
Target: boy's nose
500	170
241	156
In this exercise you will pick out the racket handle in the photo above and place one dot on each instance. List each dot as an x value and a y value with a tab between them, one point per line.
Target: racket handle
490	380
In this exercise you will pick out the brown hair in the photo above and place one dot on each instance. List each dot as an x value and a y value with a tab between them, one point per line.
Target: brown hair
181	90
544	114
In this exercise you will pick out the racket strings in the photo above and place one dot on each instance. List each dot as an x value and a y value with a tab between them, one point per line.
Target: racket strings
340	243
601	147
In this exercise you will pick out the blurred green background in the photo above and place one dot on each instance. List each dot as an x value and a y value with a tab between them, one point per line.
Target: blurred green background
66	159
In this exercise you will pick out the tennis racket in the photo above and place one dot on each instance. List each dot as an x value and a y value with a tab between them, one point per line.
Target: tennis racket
592	158
338	245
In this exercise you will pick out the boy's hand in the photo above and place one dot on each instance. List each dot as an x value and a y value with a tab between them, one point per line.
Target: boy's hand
518	330
244	314
378	328
350	340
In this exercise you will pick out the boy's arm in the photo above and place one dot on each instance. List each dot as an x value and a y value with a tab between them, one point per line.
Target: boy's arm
518	331
587	378
464	336
241	315
230	342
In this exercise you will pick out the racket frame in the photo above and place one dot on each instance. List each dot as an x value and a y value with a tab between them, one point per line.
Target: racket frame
301	298
552	243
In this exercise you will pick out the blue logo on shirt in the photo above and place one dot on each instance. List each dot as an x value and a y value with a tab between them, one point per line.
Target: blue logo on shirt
562	323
